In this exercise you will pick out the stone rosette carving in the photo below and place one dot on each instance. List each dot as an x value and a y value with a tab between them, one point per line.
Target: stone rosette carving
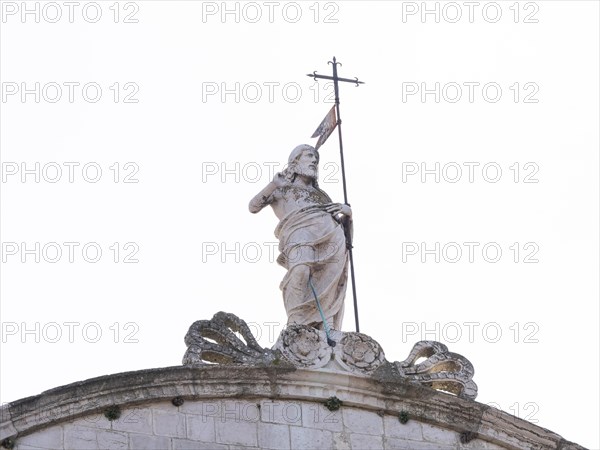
359	353
304	346
429	363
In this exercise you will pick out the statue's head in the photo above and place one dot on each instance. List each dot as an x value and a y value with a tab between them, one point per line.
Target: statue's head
304	160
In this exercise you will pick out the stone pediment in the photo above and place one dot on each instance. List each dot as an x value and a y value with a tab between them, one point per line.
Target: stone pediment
173	405
307	392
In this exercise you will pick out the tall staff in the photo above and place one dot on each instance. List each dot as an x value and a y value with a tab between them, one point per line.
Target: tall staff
326	127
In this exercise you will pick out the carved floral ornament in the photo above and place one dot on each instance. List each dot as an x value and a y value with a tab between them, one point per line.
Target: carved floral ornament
218	341
304	346
360	353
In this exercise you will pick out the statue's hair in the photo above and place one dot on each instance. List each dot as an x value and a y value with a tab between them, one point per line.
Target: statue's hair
297	152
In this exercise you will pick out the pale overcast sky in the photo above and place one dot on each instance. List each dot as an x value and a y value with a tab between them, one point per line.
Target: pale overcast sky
142	129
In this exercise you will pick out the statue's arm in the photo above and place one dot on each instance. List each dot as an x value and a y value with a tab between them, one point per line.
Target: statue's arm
262	199
343	213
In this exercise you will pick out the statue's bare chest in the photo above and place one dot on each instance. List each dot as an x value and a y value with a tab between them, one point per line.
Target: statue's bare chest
302	196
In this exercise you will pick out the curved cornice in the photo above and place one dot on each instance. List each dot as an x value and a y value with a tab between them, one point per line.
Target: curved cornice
282	382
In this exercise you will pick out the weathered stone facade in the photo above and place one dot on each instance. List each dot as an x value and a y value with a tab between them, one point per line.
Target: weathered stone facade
265	424
271	407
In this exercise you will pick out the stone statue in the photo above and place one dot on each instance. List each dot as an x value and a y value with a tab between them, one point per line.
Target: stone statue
314	235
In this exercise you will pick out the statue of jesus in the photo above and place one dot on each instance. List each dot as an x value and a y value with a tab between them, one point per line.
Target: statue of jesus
314	235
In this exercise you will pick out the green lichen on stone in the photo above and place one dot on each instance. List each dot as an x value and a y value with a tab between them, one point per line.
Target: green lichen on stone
333	403
8	443
467	436
403	417
112	412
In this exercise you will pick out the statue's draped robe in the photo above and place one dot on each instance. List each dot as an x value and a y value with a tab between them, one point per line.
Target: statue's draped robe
311	236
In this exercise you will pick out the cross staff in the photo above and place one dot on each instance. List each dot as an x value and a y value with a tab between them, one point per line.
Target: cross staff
335	80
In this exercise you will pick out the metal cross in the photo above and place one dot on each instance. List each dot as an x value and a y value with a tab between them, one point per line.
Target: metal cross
336	80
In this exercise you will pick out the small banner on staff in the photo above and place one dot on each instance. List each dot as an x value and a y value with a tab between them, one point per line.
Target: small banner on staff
325	128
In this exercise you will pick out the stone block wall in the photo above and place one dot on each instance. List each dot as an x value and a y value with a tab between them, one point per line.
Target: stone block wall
224	424
268	407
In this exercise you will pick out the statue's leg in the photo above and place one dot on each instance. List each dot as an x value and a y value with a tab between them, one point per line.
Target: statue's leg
297	293
297	290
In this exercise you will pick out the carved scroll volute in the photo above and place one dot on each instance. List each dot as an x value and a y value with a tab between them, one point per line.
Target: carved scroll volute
441	370
215	341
